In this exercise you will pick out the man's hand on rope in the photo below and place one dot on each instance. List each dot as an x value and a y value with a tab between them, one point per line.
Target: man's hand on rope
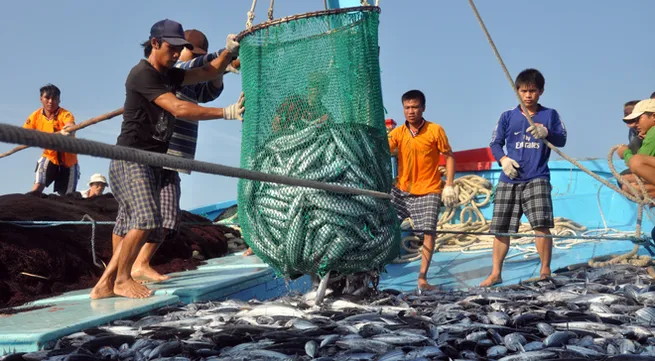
621	150
232	45
234	66
235	111
538	131
232	69
450	196
66	131
509	167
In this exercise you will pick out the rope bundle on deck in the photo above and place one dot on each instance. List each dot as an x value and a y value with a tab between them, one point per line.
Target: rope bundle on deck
476	192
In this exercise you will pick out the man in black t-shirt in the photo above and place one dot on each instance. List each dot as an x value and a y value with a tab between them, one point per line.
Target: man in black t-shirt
150	110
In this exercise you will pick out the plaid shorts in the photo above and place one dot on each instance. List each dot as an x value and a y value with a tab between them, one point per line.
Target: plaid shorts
423	210
515	199
136	187
170	200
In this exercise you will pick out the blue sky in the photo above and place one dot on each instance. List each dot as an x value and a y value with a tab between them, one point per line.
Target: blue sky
595	56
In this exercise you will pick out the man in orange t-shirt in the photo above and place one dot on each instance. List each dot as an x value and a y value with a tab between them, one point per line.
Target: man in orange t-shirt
54	166
419	190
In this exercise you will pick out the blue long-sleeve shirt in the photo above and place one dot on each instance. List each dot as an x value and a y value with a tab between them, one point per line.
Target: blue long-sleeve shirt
202	92
531	154
185	133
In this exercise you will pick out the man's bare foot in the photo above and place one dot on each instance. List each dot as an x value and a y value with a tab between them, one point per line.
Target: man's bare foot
147	274
491	281
425	286
248	252
102	290
545	273
131	289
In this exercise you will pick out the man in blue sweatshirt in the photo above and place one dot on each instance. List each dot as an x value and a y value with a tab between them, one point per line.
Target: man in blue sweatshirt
524	186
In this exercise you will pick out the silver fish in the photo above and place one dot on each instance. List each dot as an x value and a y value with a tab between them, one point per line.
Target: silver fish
496	351
529	356
365	345
311	348
499	318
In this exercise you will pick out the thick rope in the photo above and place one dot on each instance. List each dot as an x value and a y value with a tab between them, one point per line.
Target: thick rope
640	193
627	258
74	128
251	15
270	11
18	135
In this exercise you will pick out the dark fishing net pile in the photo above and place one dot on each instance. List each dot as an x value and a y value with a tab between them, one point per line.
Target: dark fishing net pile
38	262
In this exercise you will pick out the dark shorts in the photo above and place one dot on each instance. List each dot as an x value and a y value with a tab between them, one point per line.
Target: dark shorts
512	200
65	178
423	210
136	187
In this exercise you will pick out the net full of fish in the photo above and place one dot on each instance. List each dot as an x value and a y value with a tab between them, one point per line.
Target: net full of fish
580	314
300	230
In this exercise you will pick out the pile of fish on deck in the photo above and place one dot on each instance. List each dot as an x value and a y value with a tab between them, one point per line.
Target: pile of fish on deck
606	314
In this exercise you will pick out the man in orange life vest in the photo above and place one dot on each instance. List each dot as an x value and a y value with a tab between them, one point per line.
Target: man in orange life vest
53	166
419	190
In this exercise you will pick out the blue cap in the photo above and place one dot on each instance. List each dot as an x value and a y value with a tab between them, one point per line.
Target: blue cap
171	32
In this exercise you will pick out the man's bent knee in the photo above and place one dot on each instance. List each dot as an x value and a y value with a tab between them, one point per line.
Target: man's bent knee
637	161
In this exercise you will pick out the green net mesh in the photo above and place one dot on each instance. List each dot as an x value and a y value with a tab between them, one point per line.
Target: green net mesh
314	111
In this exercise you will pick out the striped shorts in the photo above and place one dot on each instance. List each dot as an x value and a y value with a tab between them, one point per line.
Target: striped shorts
423	210
515	199
65	178
136	187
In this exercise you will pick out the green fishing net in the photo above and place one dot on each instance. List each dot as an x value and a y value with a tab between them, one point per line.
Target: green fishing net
314	111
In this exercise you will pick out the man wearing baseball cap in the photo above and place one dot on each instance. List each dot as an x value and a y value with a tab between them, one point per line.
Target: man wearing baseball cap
183	144
151	108
642	164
